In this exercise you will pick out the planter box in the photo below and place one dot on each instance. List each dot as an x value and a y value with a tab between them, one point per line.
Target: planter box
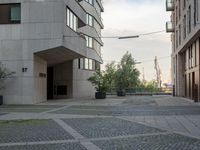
100	95
1	100
121	93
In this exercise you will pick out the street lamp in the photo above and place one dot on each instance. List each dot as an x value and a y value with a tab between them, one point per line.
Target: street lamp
137	63
128	37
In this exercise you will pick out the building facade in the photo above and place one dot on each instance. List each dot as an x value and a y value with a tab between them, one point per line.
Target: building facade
185	29
53	46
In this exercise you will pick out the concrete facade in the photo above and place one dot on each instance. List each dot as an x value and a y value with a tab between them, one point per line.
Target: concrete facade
185	28
43	41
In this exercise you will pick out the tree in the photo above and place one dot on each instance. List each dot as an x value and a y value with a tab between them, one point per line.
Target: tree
4	74
110	70
150	86
127	75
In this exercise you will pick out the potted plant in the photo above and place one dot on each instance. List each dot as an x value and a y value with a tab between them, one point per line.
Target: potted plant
4	74
99	81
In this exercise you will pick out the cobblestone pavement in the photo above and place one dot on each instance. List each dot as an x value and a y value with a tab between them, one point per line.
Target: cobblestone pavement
61	146
129	123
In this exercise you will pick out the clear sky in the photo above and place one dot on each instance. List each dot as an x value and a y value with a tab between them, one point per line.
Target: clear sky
132	17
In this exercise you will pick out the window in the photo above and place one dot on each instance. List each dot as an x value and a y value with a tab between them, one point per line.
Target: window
184	27
176	38
179	3
184	4
191	58
10	13
90	1
86	64
89	20
195	53
80	63
90	64
176	15
180	34
89	41
72	20
195	12
15	13
189	19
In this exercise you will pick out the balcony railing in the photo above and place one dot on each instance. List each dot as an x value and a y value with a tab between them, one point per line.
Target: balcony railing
170	26
170	5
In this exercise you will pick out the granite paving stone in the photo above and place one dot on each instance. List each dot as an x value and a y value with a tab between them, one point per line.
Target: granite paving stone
67	146
27	108
130	110
31	131
154	142
108	127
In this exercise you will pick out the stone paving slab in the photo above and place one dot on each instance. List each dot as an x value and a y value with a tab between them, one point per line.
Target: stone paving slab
140	100
27	108
67	146
84	112
31	131
130	110
186	125
154	142
1	114
108	127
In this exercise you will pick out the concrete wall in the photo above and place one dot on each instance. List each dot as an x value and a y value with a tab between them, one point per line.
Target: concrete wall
40	80
81	87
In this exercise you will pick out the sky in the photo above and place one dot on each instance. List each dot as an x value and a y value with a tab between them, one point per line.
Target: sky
133	17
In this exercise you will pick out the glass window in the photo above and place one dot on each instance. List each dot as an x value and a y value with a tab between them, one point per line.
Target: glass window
89	41
90	1
68	17
72	20
15	13
90	64
86	64
10	13
89	20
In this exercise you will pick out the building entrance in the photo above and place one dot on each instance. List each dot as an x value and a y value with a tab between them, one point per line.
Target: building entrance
50	76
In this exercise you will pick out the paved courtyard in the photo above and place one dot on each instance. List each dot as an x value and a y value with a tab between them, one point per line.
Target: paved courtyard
125	123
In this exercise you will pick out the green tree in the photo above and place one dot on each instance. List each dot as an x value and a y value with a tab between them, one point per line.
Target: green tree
150	86
110	70
127	75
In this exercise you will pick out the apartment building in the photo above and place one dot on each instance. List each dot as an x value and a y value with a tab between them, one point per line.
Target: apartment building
185	35
54	46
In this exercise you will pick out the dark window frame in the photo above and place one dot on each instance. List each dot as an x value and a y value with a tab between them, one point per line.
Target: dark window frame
9	21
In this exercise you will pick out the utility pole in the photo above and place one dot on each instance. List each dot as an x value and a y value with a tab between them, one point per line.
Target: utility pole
158	73
143	75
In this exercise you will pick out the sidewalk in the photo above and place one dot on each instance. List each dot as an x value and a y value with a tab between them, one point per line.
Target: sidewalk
127	123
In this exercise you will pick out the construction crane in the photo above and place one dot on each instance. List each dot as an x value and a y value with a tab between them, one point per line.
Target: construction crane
158	73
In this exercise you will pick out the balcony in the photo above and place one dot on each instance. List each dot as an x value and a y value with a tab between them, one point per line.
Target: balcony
170	5
170	27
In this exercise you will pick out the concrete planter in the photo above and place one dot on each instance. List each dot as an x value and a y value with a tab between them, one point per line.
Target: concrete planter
100	95
1	100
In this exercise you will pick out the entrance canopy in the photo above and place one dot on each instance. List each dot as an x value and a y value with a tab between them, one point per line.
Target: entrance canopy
58	55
